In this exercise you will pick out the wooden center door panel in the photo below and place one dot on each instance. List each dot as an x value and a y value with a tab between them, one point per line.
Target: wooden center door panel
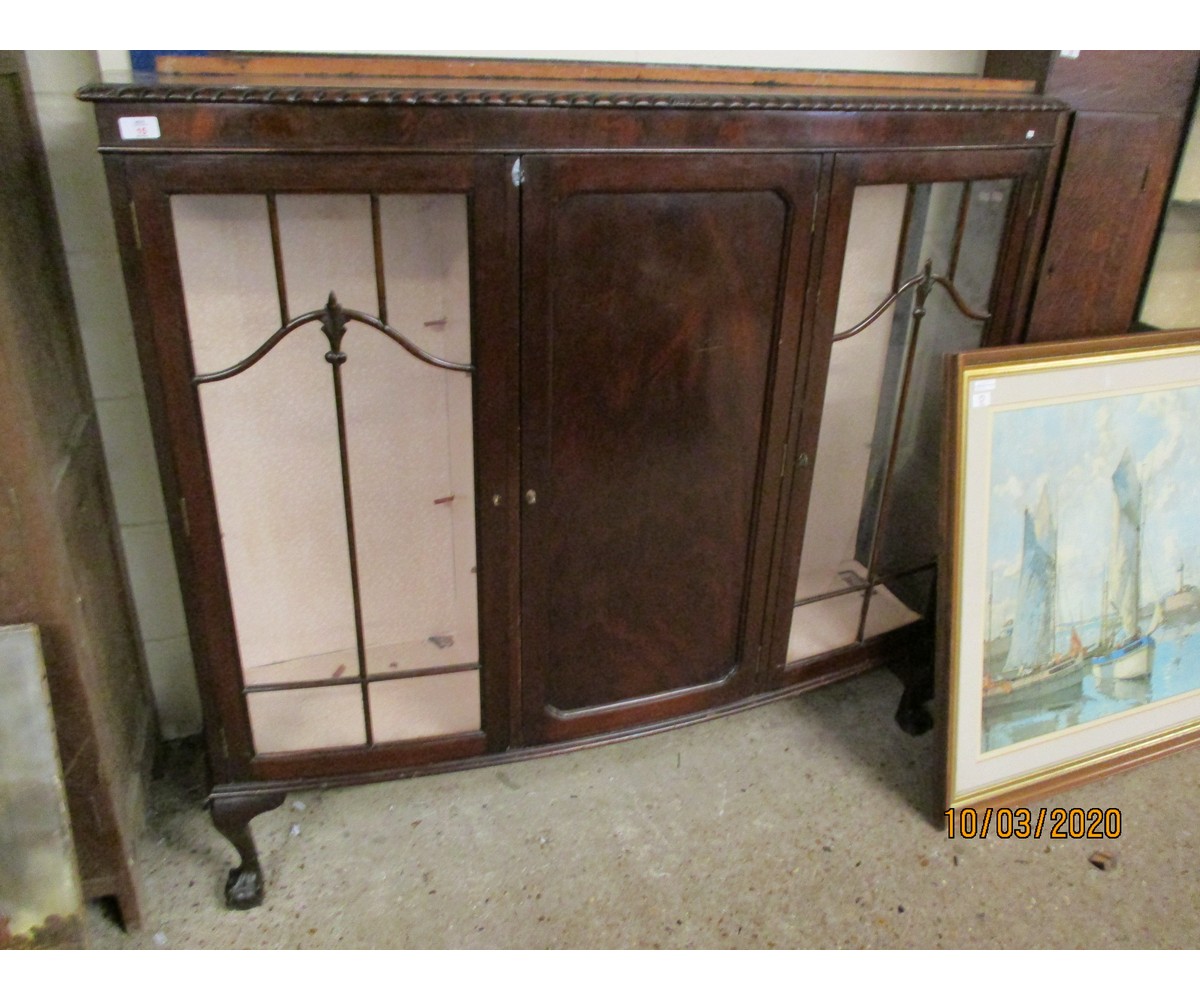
662	304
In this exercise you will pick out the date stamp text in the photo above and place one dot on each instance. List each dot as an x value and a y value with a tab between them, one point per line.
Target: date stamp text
970	823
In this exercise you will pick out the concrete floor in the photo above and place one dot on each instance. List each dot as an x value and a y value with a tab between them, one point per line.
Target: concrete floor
802	824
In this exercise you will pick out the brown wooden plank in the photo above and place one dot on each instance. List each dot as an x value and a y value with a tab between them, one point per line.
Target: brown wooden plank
1147	82
1111	192
510	70
60	561
650	351
1151	82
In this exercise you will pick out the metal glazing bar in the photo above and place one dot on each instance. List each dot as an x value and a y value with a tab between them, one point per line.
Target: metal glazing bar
912	282
320	315
334	328
959	301
926	278
855	588
329	682
910	204
960	228
377	241
457	668
883	509
277	255
850	588
910	354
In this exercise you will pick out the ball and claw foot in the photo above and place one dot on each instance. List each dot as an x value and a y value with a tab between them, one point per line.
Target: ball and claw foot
231	814
244	889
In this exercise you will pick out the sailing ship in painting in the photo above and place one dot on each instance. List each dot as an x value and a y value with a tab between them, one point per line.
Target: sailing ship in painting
1183	606
1124	652
1032	669
1092	593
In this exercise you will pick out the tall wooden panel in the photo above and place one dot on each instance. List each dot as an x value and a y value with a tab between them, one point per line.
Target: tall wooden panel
657	293
1130	110
60	564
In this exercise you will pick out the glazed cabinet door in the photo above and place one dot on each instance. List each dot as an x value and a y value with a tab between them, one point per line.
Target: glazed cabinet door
662	300
925	254
330	349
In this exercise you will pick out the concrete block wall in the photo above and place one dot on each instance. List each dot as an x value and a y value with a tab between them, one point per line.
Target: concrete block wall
81	199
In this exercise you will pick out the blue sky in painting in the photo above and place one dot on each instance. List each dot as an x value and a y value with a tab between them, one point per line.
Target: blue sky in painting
1071	449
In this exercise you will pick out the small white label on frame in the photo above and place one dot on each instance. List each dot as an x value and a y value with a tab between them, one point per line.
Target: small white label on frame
139	128
981	392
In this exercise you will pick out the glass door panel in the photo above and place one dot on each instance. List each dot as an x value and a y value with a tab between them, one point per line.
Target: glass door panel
342	465
916	283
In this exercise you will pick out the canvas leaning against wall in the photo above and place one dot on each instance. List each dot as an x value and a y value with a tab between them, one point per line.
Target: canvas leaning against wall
41	903
1074	642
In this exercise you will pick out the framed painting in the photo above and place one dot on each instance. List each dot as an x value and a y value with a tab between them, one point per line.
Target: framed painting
1071	609
41	902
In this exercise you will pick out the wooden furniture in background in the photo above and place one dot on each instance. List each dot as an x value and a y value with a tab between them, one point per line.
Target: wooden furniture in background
668	444
60	561
1130	111
1172	297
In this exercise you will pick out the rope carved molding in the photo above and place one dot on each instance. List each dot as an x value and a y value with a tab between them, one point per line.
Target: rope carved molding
416	96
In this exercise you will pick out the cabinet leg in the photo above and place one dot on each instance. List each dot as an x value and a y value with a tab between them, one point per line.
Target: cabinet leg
231	815
911	714
917	674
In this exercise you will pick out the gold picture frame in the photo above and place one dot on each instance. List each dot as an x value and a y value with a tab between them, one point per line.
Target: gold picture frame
1070	636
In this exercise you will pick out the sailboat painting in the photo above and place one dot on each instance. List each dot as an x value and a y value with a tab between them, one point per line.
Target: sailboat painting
1093	507
1069	587
1033	669
1124	652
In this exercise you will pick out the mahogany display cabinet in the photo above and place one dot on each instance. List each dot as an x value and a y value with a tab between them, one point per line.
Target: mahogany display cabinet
499	416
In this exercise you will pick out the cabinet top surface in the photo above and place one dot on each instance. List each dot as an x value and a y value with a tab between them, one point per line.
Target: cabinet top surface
414	80
852	94
337	103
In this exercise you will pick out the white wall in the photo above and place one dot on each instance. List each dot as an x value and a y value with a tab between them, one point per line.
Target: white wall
81	197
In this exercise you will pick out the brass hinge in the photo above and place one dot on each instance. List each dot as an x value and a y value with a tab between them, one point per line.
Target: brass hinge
187	528
137	235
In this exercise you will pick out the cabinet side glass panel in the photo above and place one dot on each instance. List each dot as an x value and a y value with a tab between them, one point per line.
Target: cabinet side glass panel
828	595
870	539
410	439
272	445
304	589
960	237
